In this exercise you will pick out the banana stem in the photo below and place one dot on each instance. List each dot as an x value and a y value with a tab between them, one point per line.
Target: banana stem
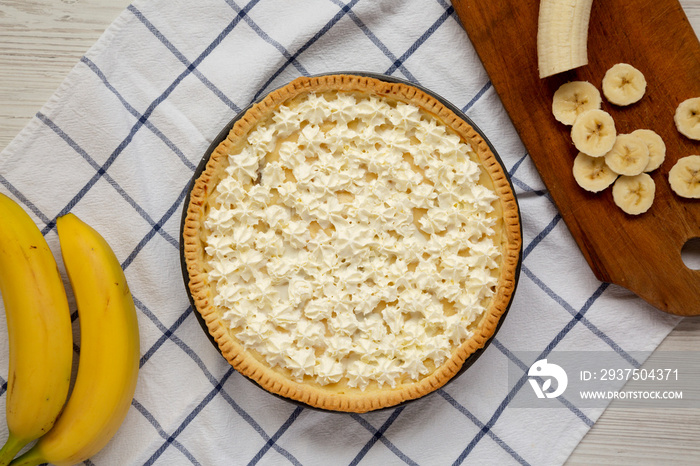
12	446
30	458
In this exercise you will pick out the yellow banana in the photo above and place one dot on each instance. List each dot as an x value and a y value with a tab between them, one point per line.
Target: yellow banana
39	329
109	350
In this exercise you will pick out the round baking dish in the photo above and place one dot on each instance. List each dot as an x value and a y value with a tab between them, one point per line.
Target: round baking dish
223	134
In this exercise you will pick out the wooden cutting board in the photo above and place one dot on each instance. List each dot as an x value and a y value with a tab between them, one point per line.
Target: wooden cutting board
641	253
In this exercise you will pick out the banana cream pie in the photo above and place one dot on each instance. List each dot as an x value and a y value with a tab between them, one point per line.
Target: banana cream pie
351	243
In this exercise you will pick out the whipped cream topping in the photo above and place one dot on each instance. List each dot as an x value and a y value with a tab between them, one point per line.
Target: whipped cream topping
351	241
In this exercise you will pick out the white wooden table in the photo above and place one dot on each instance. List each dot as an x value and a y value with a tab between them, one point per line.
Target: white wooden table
41	40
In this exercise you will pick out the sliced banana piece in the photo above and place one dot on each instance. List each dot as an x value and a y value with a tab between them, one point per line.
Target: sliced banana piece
634	194
594	132
592	173
656	146
687	118
562	35
684	177
623	84
629	155
574	98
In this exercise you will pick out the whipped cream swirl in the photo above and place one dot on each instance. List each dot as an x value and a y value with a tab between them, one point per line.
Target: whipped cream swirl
351	241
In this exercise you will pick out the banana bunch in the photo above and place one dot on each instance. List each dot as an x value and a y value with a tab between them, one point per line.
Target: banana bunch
109	352
39	330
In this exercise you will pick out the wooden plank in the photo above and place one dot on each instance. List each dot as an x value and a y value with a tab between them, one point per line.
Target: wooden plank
641	253
40	41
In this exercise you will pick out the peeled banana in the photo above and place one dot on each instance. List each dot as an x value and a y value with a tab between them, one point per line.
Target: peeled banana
634	194
109	351
574	98
629	155
594	133
39	329
623	84
687	118
562	35
684	177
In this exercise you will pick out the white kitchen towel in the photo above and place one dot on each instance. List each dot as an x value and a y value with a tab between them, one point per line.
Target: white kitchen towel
118	144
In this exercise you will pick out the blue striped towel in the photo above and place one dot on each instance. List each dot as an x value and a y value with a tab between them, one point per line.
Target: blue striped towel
118	143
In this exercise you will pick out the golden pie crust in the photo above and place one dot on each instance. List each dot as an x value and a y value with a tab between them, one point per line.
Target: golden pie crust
347	398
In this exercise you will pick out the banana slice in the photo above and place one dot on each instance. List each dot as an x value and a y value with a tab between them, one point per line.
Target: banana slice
623	84
574	98
687	118
684	177
656	146
634	194
594	133
592	173
629	155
